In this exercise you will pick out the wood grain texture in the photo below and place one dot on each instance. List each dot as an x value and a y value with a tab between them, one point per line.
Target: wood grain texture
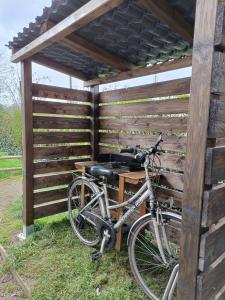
215	161
166	125
210	282
54	92
218	75
212	245
82	16
161	89
202	70
168	15
172	143
220	26
217	119
42	182
55	166
95	122
61	151
61	137
213	205
50	196
43	122
154	69
49	210
146	108
49	107
27	140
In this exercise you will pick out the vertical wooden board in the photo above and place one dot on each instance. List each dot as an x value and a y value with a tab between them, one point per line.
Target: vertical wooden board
218	75
220	26
95	122
27	133
203	55
215	162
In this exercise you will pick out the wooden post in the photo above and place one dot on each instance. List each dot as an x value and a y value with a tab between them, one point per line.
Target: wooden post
27	109
202	67
95	122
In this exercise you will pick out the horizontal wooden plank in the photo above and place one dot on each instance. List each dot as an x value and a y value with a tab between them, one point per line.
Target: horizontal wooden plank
212	245
210	282
49	210
215	160
60	137
168	125
161	89
50	107
218	74
172	180
164	194
216	127
55	166
173	143
158	107
49	196
220	26
43	122
167	160
213	205
42	182
54	92
62	151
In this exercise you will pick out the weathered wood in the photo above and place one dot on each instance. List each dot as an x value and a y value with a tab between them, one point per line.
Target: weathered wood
172	143
154	69
146	108
217	119
50	107
60	137
54	92
49	63
220	26
42	182
50	196
172	180
167	14
82	16
202	64
210	282
49	210
213	205
212	245
221	294
165	194
43	122
62	151
168	125
56	166
161	89
218	74
215	161
27	133
95	122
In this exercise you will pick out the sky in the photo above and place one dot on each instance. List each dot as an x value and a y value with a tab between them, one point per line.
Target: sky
16	14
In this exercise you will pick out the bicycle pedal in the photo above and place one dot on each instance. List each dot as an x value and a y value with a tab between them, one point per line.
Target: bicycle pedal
96	255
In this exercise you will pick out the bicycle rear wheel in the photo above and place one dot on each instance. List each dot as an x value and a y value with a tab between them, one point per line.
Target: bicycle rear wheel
80	195
147	265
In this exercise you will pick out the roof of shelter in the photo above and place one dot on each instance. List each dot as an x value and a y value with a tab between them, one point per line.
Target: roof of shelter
129	31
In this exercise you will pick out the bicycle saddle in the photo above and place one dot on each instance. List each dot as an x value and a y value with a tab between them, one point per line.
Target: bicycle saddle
100	171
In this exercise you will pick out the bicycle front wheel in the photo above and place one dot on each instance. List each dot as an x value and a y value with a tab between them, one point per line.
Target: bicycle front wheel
155	277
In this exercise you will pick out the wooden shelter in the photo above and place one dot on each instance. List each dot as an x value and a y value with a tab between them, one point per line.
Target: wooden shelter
110	40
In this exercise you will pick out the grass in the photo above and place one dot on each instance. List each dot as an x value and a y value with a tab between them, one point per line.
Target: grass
58	265
10	163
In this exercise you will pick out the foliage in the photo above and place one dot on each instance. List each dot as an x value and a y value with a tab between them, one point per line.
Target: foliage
59	267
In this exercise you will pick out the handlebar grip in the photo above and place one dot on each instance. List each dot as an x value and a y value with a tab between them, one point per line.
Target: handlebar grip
130	150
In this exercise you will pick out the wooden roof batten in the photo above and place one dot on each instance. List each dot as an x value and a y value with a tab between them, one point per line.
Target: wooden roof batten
84	15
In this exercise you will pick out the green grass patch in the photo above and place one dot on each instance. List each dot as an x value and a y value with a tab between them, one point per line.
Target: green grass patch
10	163
59	266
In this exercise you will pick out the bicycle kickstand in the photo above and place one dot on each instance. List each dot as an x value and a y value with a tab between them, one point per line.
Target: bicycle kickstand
97	254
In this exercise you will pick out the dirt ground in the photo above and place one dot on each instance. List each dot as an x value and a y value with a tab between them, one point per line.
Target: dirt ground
9	192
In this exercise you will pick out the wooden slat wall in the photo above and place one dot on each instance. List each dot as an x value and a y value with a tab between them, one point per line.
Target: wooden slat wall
61	124
135	116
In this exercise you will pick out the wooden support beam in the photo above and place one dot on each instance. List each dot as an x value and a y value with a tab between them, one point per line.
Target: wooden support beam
46	62
155	69
27	117
79	44
95	122
168	15
84	15
202	70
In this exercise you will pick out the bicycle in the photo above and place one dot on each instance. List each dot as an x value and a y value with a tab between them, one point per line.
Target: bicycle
153	243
